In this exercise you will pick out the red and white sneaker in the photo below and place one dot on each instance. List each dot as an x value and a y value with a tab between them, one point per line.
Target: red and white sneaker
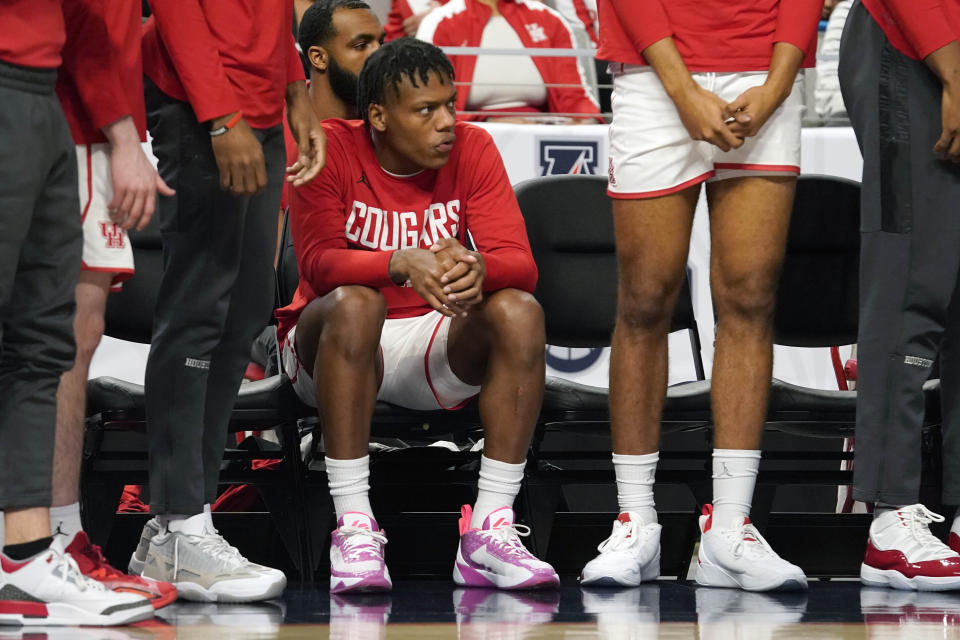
90	560
734	554
903	554
49	589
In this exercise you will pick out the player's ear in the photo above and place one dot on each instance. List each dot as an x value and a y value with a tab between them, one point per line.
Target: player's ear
319	58
377	116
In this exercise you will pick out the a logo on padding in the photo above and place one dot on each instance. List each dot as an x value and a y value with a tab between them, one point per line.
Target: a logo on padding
568	157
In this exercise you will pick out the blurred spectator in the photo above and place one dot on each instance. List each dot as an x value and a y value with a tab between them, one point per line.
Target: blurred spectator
828	103
537	84
405	16
577	12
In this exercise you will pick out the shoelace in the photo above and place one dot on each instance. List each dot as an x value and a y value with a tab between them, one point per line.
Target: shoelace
917	518
749	539
71	573
358	541
622	533
509	537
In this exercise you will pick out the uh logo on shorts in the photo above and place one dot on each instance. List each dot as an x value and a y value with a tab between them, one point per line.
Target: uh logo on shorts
569	157
112	235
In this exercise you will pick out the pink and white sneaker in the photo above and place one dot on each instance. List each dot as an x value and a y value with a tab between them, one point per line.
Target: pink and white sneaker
356	555
494	556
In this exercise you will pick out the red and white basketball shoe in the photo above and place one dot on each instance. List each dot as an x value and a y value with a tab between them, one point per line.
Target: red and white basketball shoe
90	560
903	554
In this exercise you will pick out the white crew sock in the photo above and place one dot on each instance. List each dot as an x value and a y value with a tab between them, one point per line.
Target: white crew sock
635	478
734	477
498	487
349	482
65	521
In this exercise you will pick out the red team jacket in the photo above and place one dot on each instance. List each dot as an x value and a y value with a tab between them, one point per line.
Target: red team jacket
460	23
347	223
917	28
223	57
112	86
732	35
31	33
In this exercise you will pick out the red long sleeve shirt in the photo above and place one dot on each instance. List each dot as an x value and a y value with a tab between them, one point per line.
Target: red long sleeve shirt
917	28
31	33
223	57
102	77
460	23
711	35
348	221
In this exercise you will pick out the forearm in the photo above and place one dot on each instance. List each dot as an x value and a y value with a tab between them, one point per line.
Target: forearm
666	60
296	91
784	66
122	133
945	63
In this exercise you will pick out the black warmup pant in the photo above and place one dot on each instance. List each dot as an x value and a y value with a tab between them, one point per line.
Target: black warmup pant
909	263
40	245
215	296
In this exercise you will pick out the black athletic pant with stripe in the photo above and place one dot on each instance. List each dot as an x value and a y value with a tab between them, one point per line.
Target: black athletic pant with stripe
215	296
40	244
909	264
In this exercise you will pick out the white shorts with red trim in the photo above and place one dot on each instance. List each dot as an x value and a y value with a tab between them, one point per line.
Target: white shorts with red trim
651	153
416	371
106	246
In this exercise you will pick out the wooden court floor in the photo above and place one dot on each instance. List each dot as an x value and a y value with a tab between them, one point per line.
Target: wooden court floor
665	610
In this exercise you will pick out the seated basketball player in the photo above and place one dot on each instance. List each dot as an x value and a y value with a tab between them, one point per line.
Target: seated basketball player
392	305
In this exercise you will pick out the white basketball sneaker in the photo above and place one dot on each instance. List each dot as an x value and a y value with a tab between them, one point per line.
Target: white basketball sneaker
903	554
206	568
630	555
49	589
737	556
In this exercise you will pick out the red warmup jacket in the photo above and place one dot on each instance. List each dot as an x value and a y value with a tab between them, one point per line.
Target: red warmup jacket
400	10
917	28
460	23
31	33
348	221
223	57
711	35
103	37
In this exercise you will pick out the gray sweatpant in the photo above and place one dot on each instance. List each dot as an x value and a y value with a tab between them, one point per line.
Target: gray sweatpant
909	262
215	296
40	244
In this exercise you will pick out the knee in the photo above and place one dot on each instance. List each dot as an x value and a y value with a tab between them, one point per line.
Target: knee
355	319
749	298
515	317
647	306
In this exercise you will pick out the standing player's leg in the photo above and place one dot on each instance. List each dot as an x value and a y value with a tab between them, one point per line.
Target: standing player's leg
653	236
91	296
500	346
749	220
39	261
339	336
909	268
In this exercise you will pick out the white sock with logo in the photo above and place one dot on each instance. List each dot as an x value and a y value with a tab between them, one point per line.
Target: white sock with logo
734	477
65	521
349	482
635	479
498	487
